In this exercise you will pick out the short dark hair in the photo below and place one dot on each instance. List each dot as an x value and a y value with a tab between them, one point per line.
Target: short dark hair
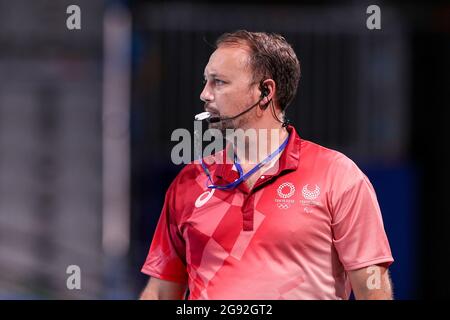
271	56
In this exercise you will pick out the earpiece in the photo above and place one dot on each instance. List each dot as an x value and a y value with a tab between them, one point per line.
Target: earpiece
264	92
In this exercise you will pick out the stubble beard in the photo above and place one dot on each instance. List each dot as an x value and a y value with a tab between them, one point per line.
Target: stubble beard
229	126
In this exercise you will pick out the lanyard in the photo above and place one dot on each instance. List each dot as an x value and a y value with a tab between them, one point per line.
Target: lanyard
242	177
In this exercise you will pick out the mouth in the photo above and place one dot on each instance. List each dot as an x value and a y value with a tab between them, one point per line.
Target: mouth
212	112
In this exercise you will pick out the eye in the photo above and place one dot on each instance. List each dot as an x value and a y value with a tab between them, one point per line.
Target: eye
219	82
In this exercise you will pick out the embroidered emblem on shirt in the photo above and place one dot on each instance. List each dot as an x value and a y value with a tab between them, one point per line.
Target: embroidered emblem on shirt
310	195
309	198
285	191
282	190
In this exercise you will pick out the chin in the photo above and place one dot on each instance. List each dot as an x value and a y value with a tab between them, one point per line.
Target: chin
222	125
215	125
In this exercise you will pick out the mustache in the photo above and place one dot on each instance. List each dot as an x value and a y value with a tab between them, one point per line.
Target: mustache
212	111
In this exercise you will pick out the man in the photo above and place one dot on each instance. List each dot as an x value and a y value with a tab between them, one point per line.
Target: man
304	225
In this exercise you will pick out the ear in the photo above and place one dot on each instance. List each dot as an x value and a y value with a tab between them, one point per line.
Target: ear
267	88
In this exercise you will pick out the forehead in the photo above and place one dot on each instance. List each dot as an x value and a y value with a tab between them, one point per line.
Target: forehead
228	60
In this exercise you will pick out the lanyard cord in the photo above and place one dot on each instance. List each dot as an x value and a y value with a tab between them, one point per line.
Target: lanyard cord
239	168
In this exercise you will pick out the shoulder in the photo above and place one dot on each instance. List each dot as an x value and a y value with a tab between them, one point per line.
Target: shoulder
189	183
311	150
185	179
337	166
182	192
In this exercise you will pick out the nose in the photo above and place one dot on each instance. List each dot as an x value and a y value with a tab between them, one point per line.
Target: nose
206	95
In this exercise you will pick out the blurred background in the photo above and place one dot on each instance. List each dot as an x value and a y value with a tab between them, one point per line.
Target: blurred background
86	118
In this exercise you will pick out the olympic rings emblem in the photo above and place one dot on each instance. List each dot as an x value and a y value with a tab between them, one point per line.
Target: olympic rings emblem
291	192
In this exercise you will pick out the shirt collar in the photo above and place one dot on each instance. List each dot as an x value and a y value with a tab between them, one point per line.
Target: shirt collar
288	161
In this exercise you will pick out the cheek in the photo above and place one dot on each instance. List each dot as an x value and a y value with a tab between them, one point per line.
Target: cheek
226	100
233	99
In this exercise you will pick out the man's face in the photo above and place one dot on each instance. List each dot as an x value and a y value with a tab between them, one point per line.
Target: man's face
229	87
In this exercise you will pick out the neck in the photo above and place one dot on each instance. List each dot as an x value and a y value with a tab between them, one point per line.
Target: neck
254	145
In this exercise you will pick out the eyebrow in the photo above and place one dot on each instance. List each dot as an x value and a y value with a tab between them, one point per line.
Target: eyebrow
215	75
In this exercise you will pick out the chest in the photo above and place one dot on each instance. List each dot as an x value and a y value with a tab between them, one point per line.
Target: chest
286	213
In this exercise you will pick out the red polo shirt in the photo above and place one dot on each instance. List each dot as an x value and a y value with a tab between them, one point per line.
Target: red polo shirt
294	235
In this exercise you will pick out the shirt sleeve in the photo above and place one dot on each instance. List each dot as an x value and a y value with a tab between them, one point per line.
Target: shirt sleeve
166	257
358	231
